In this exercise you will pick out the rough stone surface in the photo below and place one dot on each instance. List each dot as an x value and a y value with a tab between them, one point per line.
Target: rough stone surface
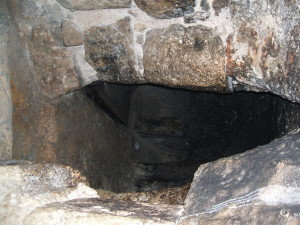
97	211
24	186
165	9
257	187
94	4
90	140
54	71
264	50
108	50
179	56
259	41
5	92
71	33
126	45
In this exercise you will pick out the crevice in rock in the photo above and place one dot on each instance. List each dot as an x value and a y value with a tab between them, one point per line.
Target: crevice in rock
170	132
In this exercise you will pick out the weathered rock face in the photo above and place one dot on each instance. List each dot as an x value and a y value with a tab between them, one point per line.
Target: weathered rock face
263	51
174	55
59	48
164	9
5	92
25	186
257	187
94	4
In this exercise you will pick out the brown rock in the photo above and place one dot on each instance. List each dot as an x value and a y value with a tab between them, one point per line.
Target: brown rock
71	33
53	66
185	57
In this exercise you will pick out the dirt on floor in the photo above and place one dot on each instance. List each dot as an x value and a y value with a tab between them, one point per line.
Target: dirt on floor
171	196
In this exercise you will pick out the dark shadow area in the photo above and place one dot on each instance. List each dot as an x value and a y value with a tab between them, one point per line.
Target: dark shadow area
172	131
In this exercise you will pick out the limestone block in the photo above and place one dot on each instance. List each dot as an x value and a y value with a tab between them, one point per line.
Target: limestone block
179	56
260	186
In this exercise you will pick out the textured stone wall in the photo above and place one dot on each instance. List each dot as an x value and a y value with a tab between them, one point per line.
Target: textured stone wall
58	47
212	45
5	95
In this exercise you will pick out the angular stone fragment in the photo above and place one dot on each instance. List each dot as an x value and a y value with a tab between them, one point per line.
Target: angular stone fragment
71	33
257	187
185	57
108	49
94	4
164	9
53	67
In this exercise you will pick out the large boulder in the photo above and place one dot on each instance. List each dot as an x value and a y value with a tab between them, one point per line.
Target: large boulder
25	186
256	187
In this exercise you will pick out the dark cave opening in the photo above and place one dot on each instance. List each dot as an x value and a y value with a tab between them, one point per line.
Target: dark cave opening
173	131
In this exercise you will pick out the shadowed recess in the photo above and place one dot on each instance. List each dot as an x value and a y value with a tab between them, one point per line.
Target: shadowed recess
172	131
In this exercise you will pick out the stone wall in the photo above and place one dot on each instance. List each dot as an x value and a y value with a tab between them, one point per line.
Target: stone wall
58	47
211	45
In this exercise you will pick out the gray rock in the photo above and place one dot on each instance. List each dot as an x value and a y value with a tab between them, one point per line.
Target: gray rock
257	187
185	57
94	4
71	33
164	9
108	49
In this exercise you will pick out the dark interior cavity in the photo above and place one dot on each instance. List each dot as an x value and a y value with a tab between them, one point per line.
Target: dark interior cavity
171	131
